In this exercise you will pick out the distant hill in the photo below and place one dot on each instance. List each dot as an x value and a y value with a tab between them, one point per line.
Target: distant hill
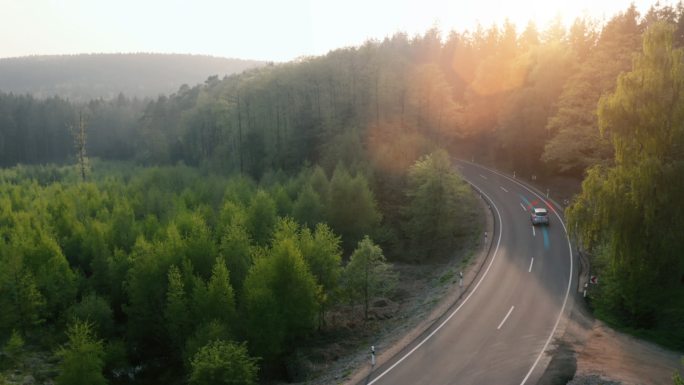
88	76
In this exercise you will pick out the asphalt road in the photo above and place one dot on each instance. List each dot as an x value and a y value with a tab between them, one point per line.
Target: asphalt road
498	334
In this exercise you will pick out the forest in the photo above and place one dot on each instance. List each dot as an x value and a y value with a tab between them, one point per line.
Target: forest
219	224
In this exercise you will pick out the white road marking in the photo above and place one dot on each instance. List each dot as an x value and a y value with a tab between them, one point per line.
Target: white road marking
523	207
482	176
567	291
531	262
534	234
506	317
491	262
503	188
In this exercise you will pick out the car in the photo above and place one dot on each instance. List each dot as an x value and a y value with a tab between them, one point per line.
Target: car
540	216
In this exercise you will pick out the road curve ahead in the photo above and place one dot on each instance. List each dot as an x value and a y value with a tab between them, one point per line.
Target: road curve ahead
498	334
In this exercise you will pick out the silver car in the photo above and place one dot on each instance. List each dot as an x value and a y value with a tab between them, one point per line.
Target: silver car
540	216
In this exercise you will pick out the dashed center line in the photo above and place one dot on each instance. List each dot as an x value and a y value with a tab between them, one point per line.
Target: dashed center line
482	176
506	317
531	262
534	234
523	206
503	188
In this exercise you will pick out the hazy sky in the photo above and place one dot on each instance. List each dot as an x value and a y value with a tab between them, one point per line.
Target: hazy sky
275	30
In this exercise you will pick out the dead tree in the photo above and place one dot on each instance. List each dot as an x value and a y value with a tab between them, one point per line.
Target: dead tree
79	133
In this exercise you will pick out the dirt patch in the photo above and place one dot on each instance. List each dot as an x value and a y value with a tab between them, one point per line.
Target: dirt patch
602	355
623	358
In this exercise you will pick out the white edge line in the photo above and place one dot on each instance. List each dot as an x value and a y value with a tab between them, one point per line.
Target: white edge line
502	187
496	250
523	207
567	292
531	263
506	317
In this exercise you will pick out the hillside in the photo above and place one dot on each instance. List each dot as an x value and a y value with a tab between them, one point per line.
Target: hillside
88	76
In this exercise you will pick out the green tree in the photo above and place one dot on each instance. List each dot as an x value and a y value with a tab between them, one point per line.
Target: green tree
320	184
82	357
235	248
436	210
221	362
146	288
322	253
576	143
629	215
14	348
367	275
199	244
205	333
42	258
352	211
308	208
122	230
261	218
279	299
19	296
176	312
96	311
220	294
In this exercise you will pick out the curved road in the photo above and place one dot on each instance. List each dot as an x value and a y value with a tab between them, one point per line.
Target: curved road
498	333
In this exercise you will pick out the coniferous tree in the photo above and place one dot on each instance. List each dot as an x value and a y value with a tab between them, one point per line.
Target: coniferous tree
82	357
367	274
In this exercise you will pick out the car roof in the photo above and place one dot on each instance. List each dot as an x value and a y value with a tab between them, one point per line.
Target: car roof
540	210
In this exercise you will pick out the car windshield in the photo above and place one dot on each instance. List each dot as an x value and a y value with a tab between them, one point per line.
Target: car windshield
540	213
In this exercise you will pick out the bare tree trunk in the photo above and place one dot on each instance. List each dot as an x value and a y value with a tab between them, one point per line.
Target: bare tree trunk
377	100
240	133
365	294
79	133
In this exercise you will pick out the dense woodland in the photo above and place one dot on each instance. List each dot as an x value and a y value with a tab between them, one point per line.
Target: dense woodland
91	76
248	206
162	261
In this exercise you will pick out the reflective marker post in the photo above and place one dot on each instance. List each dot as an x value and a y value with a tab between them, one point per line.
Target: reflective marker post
460	282
372	355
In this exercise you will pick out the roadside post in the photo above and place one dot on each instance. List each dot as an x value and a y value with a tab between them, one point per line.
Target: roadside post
372	355
460	281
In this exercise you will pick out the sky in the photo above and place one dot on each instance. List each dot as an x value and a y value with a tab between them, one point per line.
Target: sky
272	30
